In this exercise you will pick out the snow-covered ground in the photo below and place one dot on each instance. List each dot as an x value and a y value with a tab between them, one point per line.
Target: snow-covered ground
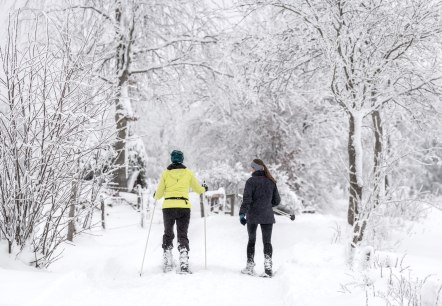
103	266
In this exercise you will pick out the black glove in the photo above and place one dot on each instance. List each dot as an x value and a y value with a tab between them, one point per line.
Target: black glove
242	219
205	186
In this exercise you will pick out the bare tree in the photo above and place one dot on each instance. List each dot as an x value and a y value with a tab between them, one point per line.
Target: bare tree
50	107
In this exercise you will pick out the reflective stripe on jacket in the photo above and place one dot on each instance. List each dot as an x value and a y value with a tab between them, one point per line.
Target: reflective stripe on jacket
175	183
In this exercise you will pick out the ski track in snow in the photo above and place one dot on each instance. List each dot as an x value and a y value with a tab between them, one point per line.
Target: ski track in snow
103	268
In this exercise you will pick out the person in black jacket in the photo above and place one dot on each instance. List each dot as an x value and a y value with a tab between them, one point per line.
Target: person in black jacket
260	196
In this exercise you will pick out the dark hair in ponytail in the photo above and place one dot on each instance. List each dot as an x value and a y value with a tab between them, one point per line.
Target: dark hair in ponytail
266	170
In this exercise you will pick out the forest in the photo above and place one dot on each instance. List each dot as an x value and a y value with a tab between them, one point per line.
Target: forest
340	98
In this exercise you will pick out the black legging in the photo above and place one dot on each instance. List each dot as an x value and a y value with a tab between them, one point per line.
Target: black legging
182	218
266	230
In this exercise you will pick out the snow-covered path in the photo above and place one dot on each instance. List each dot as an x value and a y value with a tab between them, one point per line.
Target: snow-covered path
103	267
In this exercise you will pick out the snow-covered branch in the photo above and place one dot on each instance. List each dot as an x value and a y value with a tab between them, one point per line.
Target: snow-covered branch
174	63
176	40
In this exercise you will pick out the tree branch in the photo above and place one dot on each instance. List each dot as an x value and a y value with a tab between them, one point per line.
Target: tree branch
174	41
173	64
86	8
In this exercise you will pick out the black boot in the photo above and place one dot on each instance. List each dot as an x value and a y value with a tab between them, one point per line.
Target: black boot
184	261
167	260
249	269
268	266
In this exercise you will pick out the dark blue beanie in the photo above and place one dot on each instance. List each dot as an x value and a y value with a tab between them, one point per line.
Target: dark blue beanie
177	156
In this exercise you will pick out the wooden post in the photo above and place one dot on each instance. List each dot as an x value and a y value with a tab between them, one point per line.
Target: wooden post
231	198
103	221
202	205
141	205
232	206
139	199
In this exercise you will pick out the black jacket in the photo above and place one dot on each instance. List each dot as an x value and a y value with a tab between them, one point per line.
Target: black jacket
260	195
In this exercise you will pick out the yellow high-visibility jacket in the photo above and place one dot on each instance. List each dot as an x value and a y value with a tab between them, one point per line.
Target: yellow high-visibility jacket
175	183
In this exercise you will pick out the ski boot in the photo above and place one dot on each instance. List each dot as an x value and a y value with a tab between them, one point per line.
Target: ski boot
167	260
249	269
184	262
267	266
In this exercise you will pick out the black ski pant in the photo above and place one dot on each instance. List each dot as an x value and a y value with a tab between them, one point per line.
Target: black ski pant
266	230
182	218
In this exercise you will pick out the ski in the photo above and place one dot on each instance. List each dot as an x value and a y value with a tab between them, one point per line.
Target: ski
183	272
251	274
262	275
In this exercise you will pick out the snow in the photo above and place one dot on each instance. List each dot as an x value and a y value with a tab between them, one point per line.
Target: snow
211	193
102	268
220	194
357	144
125	101
426	242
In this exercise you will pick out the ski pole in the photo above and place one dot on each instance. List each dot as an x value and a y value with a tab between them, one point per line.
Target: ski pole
205	241
205	233
283	213
148	235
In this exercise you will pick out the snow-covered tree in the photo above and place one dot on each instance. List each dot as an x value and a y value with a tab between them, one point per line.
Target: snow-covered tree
50	114
144	43
367	51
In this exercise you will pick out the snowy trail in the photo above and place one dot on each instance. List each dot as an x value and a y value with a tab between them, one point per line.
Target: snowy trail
103	268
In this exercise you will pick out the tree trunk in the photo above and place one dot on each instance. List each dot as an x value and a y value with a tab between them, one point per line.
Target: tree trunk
71	226
355	189
378	150
120	174
121	120
355	176
121	117
387	151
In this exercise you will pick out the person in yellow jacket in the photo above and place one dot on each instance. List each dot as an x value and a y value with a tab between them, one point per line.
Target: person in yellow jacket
174	186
